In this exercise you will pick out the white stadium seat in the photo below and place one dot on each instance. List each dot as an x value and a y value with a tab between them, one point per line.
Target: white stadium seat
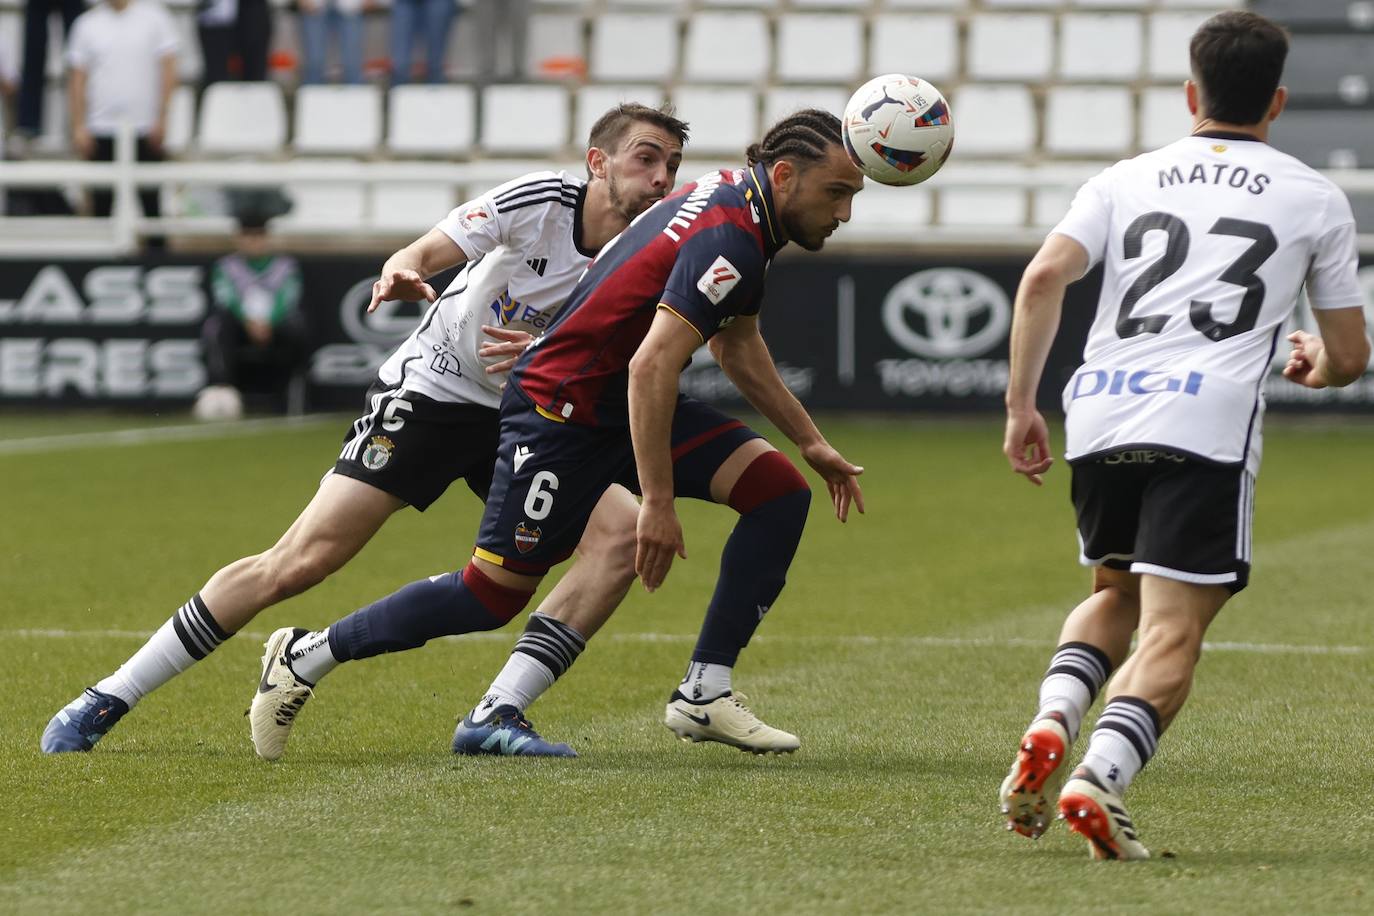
1113	4
780	101
1048	206
982	207
1169	34
1020	4
525	119
553	43
323	208
924	46
724	120
1100	46
242	118
628	46
181	120
993	120
425	120
726	47
338	119
1164	116
896	210
925	4
820	47
409	208
1089	119
1010	46
594	101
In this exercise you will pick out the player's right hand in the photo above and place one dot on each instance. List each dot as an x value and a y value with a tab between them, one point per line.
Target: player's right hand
511	345
1027	444
659	536
401	284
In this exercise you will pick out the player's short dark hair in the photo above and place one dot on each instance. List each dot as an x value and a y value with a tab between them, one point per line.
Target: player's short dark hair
612	126
804	137
1237	61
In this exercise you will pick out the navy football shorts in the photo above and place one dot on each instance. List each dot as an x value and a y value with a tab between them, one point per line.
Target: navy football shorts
550	475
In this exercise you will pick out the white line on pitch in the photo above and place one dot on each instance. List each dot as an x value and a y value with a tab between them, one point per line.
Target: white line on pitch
180	433
1261	648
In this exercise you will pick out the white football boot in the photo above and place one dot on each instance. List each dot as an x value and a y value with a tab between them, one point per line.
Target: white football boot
1097	813
1036	774
279	698
726	719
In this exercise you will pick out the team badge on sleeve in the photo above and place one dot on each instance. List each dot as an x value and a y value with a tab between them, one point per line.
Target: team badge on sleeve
474	217
526	538
718	280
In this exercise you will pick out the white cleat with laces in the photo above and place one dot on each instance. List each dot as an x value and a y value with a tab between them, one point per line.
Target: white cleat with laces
727	720
279	698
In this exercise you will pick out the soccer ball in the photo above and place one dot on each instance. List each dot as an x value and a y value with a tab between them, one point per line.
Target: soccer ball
217	403
898	129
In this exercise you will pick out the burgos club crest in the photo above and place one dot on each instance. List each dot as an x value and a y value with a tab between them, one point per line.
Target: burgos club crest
526	539
378	453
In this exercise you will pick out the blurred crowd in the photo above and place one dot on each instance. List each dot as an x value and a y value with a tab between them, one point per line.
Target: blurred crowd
121	55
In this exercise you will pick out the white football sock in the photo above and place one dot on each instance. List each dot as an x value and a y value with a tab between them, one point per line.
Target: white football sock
519	684
310	656
705	681
188	636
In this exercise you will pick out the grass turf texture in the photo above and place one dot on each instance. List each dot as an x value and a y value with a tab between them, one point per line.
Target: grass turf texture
905	652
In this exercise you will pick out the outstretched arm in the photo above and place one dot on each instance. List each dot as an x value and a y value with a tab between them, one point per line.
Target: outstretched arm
405	272
745	359
1035	320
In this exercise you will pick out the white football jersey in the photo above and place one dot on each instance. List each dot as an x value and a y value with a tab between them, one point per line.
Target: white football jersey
1206	245
523	261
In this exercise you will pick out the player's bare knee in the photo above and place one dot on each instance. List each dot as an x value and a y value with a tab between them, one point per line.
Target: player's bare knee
298	571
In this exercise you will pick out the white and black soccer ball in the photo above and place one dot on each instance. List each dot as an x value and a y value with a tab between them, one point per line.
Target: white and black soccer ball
898	129
218	403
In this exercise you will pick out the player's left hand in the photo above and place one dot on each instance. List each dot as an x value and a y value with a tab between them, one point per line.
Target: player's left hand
512	344
1302	361
658	535
839	475
1027	444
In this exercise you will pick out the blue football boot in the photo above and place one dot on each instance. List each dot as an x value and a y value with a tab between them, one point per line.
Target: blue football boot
505	733
82	722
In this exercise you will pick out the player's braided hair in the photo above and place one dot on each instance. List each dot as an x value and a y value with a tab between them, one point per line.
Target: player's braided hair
803	136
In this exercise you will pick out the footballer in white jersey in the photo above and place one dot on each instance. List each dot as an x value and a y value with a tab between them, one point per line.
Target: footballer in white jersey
1206	245
523	257
431	419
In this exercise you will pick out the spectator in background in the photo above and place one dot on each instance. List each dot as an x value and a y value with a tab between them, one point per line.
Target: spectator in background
234	39
122	68
502	33
433	19
319	18
33	81
254	339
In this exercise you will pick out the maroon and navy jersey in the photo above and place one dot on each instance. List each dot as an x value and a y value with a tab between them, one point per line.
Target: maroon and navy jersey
701	254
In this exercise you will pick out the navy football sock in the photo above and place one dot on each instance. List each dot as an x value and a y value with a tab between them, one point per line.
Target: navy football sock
457	602
753	569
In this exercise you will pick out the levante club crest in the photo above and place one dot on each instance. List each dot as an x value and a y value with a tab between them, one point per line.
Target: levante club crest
526	538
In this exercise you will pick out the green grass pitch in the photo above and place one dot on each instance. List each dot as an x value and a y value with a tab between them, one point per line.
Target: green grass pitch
905	652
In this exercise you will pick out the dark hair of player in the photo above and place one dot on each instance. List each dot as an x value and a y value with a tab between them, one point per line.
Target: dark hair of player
804	137
612	126
1237	60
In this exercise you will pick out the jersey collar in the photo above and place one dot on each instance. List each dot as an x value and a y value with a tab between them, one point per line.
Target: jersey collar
577	224
1227	135
759	192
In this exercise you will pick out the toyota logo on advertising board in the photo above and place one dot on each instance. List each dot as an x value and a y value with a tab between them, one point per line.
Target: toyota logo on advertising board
947	313
390	324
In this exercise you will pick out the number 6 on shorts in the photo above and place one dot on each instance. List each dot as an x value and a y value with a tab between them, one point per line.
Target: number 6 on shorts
540	498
